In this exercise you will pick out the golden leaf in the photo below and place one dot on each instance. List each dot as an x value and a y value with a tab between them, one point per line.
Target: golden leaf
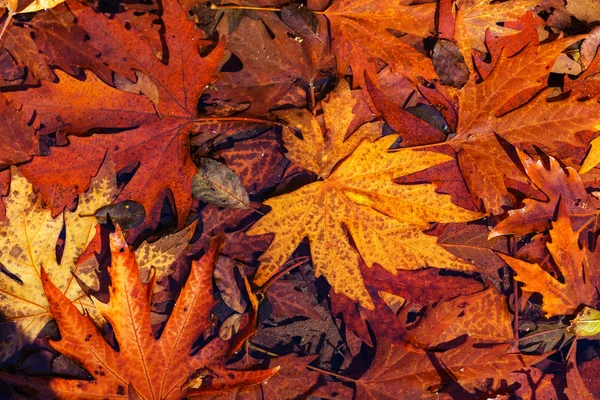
385	219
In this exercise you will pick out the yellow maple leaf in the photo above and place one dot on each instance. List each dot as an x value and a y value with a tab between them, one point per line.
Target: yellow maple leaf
386	220
28	238
319	152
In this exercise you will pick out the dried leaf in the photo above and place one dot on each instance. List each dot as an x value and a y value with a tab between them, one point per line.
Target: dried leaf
214	183
156	138
28	238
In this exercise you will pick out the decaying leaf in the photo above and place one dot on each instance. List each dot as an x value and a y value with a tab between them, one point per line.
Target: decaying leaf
155	368
214	183
127	214
586	324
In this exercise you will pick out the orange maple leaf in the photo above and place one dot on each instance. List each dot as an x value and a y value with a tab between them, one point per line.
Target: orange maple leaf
144	366
361	31
512	102
572	261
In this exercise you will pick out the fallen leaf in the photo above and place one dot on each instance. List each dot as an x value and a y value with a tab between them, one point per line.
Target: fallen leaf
556	183
154	367
383	218
28	239
579	280
128	214
362	30
586	323
157	137
214	183
475	17
482	159
320	150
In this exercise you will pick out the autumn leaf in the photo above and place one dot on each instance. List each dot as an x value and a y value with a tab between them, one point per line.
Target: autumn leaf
385	220
214	183
154	368
29	237
274	66
475	18
483	316
28	241
362	31
157	135
319	152
489	107
556	183
579	285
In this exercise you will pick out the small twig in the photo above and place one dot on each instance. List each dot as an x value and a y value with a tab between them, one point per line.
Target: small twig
299	261
316	369
214	120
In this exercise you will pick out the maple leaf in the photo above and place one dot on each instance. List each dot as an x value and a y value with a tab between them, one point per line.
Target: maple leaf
556	183
384	219
277	67
572	262
360	30
53	38
319	152
489	107
157	135
28	238
483	316
476	17
153	368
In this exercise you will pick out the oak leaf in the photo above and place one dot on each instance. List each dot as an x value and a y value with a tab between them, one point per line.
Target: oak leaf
362	32
157	135
580	279
148	367
385	220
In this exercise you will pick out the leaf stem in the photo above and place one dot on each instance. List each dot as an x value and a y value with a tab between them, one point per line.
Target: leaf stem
298	262
251	8
5	26
316	369
236	7
212	120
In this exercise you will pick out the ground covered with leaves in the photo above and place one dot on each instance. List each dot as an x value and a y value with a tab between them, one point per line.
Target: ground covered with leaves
328	199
